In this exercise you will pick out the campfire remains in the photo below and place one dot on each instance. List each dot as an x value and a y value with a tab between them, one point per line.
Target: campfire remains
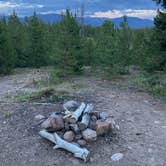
76	125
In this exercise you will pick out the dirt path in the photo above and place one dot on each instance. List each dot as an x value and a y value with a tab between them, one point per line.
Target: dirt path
142	135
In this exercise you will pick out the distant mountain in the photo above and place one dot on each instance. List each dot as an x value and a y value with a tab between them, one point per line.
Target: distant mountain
133	22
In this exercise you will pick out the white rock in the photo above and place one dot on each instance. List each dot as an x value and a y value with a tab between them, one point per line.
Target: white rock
117	127
157	122
39	117
117	157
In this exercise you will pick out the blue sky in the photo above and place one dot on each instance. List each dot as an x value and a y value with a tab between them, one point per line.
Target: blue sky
93	8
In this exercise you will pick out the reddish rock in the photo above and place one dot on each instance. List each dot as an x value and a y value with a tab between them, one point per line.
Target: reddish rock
69	136
111	122
89	135
81	142
102	127
53	123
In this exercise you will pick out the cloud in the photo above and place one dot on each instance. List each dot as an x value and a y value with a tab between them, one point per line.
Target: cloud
144	14
61	11
7	7
10	5
4	5
54	11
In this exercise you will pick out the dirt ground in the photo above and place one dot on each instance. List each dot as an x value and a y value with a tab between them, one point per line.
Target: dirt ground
141	117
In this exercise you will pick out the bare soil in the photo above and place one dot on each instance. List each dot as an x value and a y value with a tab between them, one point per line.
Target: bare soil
141	117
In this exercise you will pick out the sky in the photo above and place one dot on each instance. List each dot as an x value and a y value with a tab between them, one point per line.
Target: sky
145	9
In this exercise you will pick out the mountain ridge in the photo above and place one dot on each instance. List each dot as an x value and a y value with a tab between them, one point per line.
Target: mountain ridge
133	22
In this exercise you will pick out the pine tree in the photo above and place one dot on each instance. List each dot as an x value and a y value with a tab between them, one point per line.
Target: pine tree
37	42
68	43
106	41
162	2
125	42
18	38
160	26
7	59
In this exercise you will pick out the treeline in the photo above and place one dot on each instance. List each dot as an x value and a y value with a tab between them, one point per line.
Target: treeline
69	46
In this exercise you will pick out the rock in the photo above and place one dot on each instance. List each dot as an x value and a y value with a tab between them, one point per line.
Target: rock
78	136
112	123
92	125
103	115
53	123
117	157
39	117
89	135
70	104
102	127
69	136
117	127
157	122
81	142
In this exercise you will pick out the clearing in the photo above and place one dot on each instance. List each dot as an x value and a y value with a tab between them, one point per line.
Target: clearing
141	117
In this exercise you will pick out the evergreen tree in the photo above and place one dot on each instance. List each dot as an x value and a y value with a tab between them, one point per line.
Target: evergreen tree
37	42
162	2
7	59
125	43
17	34
160	25
68	43
106	41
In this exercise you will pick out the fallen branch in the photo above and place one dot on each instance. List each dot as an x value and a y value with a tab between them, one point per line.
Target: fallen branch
78	152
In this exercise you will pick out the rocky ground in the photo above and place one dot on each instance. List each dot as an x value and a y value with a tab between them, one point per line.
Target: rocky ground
141	117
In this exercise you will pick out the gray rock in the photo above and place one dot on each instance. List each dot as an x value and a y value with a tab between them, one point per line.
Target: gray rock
89	135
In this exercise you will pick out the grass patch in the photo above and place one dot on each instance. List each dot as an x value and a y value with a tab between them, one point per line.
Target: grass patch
44	95
154	83
8	115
